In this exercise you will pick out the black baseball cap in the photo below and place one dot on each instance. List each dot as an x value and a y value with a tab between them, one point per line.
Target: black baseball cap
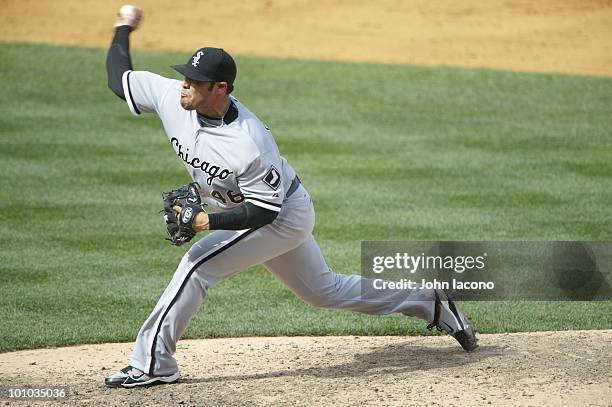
209	65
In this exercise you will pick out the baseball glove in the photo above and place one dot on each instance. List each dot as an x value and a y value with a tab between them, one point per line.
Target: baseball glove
180	226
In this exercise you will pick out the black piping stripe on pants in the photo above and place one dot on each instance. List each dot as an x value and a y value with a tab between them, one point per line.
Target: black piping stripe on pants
187	277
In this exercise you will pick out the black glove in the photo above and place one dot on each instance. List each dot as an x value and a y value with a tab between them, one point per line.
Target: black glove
180	226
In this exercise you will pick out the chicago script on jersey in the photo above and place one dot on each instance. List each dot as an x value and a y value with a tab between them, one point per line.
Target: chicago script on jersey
214	171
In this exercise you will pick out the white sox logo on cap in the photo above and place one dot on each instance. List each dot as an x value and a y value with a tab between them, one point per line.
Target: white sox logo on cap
196	58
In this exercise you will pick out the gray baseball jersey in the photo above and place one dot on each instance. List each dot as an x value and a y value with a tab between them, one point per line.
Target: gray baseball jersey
232	163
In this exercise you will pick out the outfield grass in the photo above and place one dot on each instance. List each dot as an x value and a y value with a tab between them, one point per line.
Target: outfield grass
387	152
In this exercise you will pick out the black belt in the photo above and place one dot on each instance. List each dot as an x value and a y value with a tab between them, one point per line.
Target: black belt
294	185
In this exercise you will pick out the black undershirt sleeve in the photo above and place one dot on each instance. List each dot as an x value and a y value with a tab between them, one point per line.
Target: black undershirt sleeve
118	59
245	216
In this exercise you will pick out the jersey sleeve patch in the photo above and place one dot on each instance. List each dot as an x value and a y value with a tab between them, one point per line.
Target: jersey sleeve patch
272	178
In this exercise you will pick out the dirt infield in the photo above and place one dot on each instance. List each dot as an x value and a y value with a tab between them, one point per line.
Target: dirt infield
544	368
568	36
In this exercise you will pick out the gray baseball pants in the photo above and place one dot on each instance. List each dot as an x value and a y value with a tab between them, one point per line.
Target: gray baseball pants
288	250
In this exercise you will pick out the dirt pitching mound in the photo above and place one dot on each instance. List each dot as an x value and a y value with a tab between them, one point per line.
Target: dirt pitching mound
543	368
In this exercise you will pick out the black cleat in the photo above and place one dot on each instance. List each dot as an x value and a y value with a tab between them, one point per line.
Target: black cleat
131	377
448	318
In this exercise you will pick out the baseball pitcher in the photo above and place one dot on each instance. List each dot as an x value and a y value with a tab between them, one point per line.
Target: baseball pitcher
257	209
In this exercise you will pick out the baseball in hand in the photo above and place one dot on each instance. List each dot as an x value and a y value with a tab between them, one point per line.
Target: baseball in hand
129	15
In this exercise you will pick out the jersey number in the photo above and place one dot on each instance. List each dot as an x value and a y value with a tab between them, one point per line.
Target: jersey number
233	197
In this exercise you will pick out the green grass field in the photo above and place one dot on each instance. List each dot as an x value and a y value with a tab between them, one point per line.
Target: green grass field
387	152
